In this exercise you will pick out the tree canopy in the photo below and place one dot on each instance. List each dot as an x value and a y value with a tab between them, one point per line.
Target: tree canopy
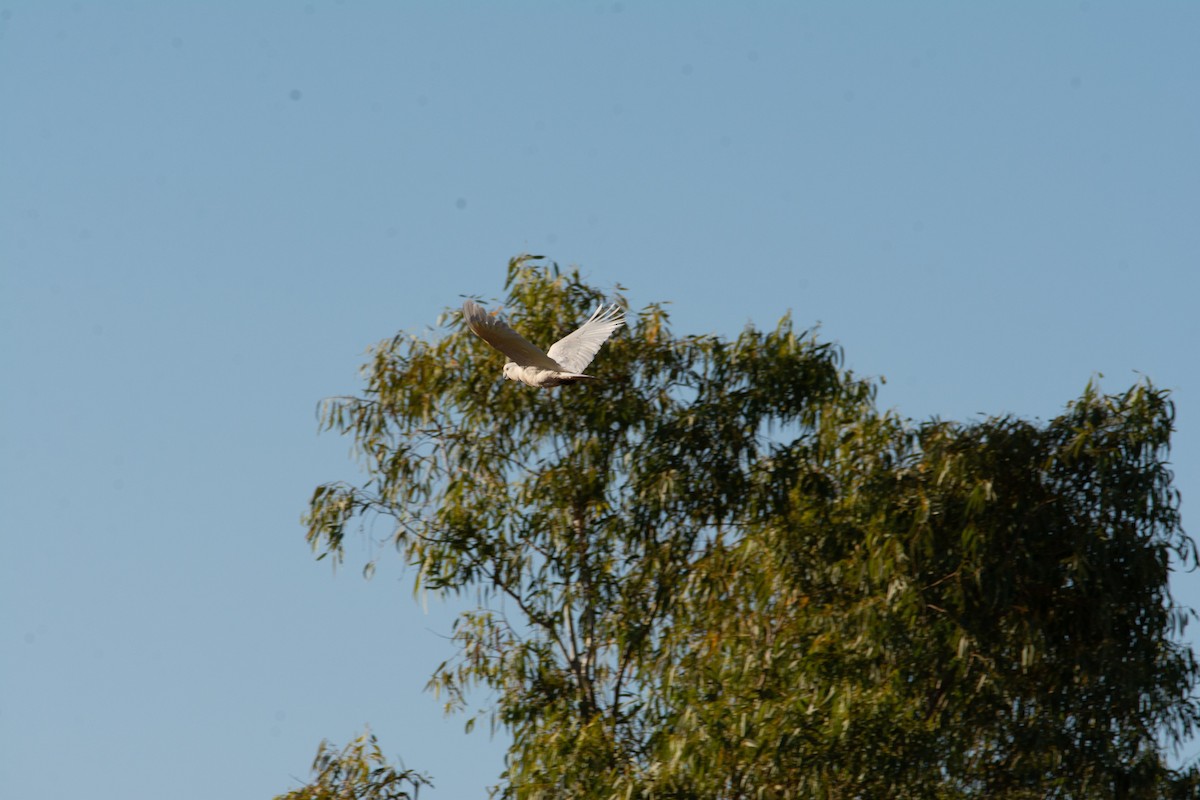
723	572
359	771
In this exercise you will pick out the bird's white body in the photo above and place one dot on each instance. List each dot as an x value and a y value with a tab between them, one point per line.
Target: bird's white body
563	363
541	378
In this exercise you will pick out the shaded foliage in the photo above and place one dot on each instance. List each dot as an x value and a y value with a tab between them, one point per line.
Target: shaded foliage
723	573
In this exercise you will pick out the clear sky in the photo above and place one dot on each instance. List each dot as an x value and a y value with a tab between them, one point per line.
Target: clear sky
209	210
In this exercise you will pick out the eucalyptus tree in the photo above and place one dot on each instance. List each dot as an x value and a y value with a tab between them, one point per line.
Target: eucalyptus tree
359	771
721	572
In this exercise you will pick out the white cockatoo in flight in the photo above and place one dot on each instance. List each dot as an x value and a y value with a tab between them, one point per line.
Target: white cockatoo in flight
563	363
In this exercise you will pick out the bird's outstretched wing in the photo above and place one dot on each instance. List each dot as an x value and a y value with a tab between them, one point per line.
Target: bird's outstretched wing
577	349
493	331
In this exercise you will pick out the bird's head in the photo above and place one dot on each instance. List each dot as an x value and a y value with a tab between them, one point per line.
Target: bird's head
511	371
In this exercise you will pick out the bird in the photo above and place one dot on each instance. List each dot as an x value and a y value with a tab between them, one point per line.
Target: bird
563	363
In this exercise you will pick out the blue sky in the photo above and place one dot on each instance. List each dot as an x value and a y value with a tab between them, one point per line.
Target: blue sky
209	210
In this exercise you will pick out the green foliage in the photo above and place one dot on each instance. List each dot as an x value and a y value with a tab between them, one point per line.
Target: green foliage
721	572
358	772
